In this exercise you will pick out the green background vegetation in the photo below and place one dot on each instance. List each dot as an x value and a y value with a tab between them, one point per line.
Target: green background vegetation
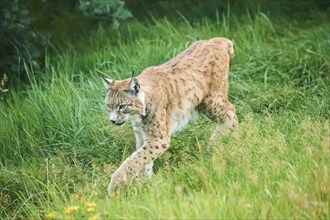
58	150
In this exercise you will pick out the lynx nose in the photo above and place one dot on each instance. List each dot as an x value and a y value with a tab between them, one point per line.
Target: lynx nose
113	121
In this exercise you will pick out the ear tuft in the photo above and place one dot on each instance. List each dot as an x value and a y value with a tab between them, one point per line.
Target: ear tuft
107	82
134	87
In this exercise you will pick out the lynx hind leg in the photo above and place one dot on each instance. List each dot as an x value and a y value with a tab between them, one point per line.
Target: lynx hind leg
226	123
224	113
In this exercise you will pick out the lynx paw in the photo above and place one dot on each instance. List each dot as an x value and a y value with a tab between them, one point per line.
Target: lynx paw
118	178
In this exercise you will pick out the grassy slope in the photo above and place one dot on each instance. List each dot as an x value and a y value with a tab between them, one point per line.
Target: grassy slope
58	150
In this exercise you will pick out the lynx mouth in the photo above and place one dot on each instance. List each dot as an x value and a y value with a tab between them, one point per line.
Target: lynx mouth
120	123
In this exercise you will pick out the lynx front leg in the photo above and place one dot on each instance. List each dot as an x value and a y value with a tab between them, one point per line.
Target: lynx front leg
140	137
138	161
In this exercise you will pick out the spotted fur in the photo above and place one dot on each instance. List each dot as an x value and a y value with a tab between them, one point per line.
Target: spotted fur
164	99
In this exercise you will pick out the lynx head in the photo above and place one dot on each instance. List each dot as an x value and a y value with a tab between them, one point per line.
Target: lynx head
124	98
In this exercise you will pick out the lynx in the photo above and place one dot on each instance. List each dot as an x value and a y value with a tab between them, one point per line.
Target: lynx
164	99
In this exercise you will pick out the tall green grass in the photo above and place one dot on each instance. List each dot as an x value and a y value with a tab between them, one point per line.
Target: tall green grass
58	150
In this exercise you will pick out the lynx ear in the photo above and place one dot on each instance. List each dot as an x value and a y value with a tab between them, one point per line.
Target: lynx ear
107	82
134	87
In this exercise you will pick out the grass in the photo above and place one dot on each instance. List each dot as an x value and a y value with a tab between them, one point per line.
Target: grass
58	150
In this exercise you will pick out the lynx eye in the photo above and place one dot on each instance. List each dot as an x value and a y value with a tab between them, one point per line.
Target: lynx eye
122	107
108	106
